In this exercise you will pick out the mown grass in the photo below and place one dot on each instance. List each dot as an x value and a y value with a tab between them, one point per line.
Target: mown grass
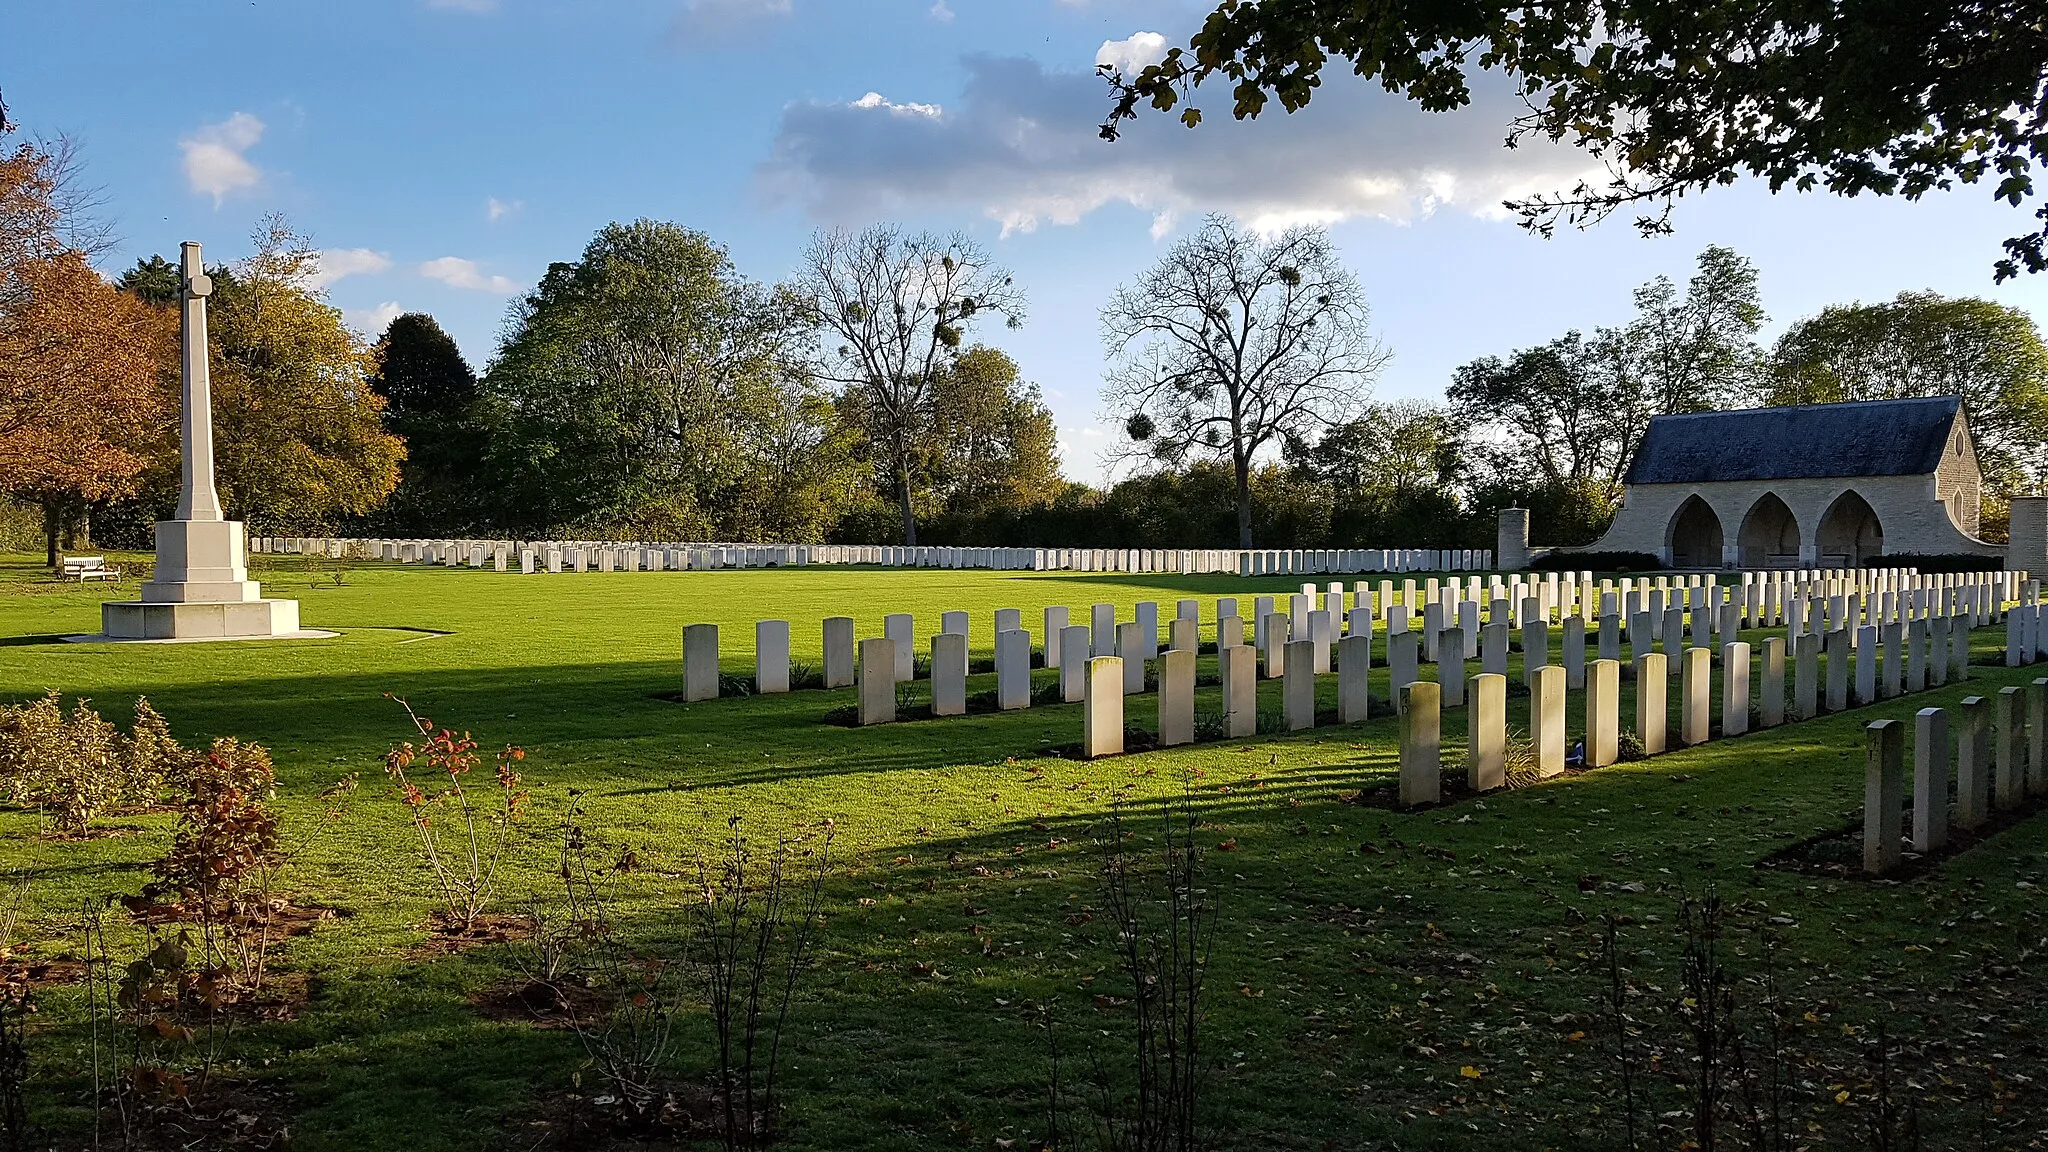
1366	962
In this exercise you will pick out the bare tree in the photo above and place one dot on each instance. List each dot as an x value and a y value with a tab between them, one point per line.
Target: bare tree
892	310
1235	344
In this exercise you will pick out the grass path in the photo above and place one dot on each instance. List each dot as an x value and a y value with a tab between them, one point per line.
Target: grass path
1367	959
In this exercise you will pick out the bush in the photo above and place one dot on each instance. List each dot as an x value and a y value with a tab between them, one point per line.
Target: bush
1940	562
1596	562
79	766
217	875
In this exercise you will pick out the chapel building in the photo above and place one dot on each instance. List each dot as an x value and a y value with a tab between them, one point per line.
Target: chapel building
1813	486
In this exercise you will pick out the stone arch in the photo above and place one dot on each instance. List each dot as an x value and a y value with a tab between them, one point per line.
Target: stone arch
1770	534
1693	539
1849	534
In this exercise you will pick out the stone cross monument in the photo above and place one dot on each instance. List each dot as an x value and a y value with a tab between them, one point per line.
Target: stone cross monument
202	588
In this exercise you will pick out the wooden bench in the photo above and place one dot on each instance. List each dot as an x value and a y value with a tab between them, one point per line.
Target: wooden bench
83	568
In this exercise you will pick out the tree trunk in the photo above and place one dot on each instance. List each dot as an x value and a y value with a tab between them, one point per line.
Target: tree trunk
1243	469
51	521
909	515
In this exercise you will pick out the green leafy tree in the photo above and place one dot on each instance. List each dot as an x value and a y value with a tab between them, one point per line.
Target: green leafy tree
644	388
1234	346
430	400
1855	96
1922	344
995	444
891	310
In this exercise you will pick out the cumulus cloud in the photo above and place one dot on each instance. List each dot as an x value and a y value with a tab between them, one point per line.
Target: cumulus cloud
941	13
372	321
215	163
1133	53
334	264
457	272
1019	144
712	19
496	209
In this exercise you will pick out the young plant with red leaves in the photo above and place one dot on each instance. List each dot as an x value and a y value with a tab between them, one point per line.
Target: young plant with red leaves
465	848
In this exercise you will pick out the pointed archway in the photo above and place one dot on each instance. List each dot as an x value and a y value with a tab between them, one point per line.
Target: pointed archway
1694	538
1770	534
1849	534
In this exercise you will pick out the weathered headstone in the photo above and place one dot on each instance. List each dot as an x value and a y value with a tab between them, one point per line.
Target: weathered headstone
1574	654
1102	630
1130	645
838	651
1177	694
1102	715
1603	713
1493	648
1771	684
1734	687
2009	785
1547	720
1883	800
1404	663
771	656
1930	779
1837	642
1074	642
1056	620
901	627
1866	664
1653	709
1973	762
949	674
700	662
1695	696
2037	737
1451	667
1422	733
1278	635
1013	669
1486	733
877	681
1239	668
1354	668
1299	690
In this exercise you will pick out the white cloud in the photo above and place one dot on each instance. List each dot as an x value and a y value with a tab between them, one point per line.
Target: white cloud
336	263
214	160
940	12
457	272
1130	55
372	321
1020	146
877	100
496	209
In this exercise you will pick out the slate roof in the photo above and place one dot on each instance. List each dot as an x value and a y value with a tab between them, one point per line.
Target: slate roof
1860	438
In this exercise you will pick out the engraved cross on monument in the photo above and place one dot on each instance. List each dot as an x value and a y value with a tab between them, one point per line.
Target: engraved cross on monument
202	589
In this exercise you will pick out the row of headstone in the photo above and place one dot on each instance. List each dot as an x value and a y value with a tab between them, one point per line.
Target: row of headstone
610	556
1999	759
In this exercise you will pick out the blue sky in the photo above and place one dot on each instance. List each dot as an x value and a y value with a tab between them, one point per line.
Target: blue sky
443	152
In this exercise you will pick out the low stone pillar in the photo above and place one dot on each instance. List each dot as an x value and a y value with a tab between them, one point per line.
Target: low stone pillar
1130	647
1695	697
1883	789
1013	669
877	681
2009	784
1422	732
838	651
700	662
1973	762
1734	687
1930	779
1653	708
1354	670
771	657
1177	694
949	674
1546	720
1837	643
1056	620
1486	733
1770	707
1238	665
1074	641
1102	719
1603	713
902	628
1573	654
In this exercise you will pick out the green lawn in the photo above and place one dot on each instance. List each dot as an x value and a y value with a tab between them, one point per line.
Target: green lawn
1380	979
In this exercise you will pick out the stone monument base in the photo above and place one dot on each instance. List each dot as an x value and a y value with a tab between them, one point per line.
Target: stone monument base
200	619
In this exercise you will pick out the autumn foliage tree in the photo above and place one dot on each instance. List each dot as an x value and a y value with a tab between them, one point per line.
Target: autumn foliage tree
83	404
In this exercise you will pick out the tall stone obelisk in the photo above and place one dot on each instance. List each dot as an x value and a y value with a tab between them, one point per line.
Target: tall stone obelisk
202	588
